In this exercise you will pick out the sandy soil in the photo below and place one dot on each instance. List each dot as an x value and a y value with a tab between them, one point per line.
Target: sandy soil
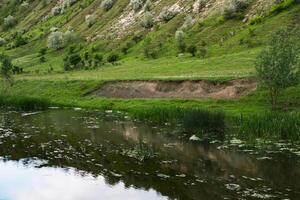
176	89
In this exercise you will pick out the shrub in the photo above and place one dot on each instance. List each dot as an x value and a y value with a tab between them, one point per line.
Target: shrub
69	36
278	66
2	41
235	8
56	40
112	58
179	36
6	68
192	49
56	10
147	20
167	14
42	51
150	49
188	23
10	21
72	62
19	41
90	20
137	4
148	5
107	4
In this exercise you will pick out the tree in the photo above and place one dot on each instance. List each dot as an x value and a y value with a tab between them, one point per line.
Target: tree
56	40
278	66
179	36
6	68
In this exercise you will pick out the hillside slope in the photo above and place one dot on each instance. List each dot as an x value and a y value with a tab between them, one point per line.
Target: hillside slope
119	28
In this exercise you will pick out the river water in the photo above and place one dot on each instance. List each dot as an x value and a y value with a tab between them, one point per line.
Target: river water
88	155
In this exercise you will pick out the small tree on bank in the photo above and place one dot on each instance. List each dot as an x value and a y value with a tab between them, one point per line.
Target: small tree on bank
277	66
6	68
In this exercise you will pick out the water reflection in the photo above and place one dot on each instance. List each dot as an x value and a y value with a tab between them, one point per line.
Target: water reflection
92	144
20	182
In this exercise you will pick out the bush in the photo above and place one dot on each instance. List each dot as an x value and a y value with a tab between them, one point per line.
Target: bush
107	4
56	10
19	41
112	58
90	20
278	66
235	8
56	40
10	21
72	62
179	36
137	4
147	20
150	49
2	41
69	36
188	23
192	50
167	14
148	5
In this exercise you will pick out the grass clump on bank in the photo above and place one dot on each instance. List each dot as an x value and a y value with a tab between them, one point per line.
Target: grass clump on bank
24	103
270	125
194	120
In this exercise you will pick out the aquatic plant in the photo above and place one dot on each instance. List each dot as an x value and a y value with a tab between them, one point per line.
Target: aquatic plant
24	103
140	152
193	120
271	125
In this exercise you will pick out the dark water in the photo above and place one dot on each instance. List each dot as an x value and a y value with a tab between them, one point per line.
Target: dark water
86	155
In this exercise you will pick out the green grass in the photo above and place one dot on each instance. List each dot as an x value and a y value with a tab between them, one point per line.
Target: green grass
270	125
168	68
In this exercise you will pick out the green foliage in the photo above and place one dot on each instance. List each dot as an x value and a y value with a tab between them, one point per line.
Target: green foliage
150	49
113	57
24	103
107	4
137	4
283	5
147	20
235	8
167	14
2	41
192	49
179	36
90	20
56	40
9	21
278	66
193	120
271	125
141	152
6	68
72	62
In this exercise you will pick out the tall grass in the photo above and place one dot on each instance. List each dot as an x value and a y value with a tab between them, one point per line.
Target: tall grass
23	103
270	125
194	120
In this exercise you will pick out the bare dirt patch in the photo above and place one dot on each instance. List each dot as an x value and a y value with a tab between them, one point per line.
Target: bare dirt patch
177	89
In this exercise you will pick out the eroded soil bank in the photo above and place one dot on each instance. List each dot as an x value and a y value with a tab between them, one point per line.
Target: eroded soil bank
177	89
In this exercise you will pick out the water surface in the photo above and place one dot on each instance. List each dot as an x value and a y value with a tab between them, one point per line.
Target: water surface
76	154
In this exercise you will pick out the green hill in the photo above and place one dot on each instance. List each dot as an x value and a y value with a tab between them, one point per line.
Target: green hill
136	40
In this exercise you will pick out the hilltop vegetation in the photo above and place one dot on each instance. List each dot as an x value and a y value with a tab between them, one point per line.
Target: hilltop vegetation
91	41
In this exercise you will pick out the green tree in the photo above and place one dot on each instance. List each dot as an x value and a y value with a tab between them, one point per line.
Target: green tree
6	68
278	66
